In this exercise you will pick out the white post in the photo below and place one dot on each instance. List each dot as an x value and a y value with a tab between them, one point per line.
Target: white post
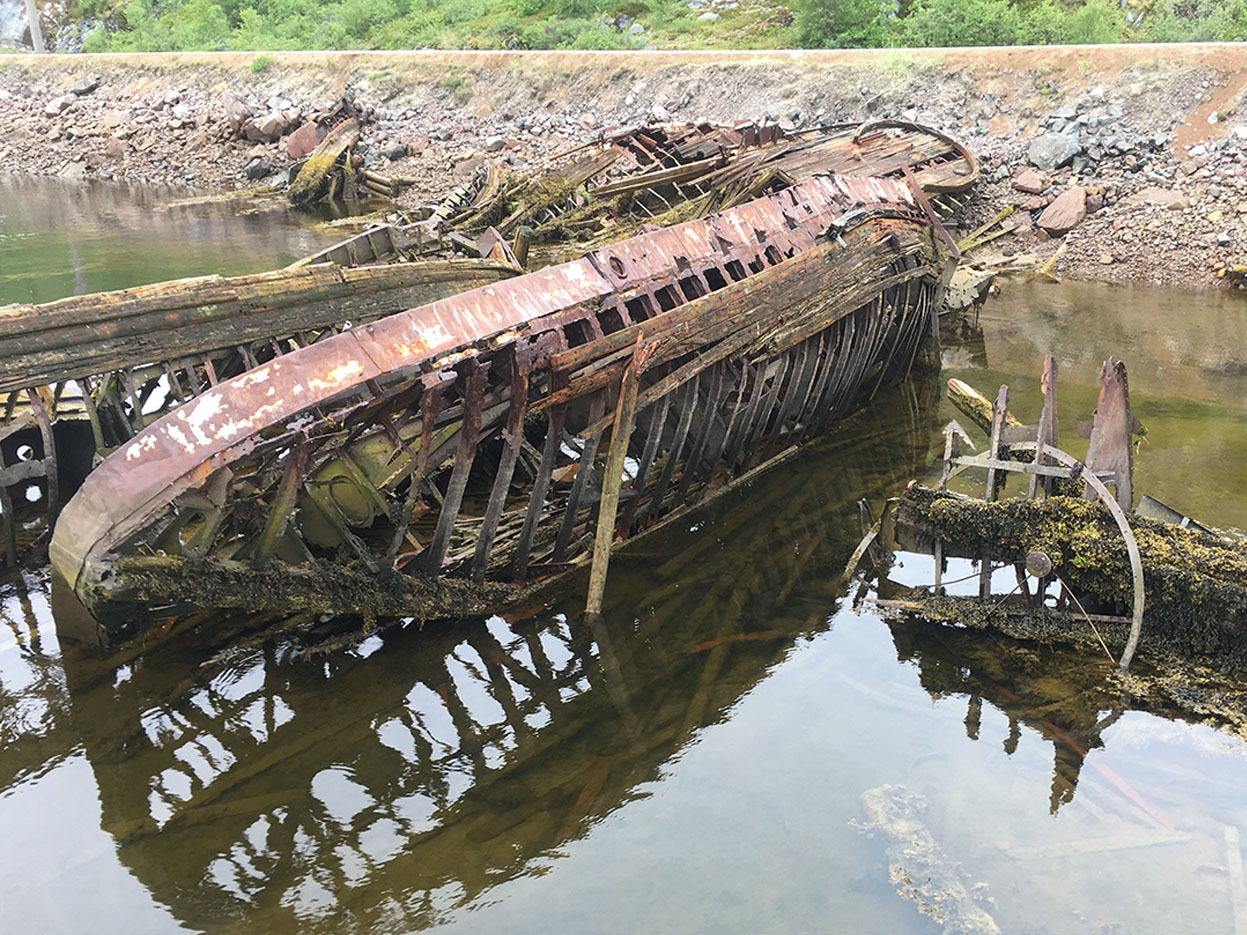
36	33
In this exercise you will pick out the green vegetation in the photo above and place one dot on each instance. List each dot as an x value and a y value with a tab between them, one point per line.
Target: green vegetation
260	63
175	25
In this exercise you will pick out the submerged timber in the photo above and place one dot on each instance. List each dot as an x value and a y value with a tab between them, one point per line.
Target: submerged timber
457	444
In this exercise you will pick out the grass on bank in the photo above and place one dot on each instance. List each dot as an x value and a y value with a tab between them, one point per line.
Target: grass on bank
194	25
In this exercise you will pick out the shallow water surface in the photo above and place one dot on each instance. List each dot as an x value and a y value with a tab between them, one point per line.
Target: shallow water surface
704	760
60	238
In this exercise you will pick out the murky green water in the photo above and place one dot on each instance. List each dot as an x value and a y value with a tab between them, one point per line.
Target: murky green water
695	764
60	238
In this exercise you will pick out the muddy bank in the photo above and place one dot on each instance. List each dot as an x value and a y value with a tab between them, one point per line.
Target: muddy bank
1134	156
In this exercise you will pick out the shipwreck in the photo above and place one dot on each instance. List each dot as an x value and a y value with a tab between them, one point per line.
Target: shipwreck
437	461
84	374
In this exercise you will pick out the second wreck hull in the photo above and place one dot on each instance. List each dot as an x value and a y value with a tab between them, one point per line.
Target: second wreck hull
430	462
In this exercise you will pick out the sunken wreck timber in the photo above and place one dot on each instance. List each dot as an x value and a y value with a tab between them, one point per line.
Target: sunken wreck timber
437	461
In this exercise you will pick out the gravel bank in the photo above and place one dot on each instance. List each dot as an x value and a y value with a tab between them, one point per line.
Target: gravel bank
1135	156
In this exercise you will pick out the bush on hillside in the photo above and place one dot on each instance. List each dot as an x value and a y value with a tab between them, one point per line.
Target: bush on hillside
841	24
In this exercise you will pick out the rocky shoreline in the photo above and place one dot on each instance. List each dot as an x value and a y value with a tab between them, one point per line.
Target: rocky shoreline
1138	166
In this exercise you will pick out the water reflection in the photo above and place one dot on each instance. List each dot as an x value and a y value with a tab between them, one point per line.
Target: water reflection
60	238
381	787
1067	697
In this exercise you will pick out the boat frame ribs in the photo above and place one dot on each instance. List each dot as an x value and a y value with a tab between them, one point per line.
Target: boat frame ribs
461	444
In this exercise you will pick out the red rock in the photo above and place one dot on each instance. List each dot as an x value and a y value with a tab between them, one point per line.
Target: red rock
1164	197
303	140
272	125
1066	213
1028	181
236	113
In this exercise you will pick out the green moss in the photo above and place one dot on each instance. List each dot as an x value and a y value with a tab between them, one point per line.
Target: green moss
1195	583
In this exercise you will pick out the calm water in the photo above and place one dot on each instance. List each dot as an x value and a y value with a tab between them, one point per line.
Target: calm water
60	238
698	762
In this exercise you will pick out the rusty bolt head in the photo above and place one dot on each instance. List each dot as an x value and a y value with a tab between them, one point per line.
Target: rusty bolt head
1038	563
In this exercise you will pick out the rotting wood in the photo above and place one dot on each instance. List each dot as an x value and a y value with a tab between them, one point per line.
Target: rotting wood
1195	583
716	298
677	173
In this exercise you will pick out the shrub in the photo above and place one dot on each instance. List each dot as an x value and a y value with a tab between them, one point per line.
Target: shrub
841	24
260	63
962	22
1198	21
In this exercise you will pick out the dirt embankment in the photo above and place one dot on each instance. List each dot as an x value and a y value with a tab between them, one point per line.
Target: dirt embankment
1143	149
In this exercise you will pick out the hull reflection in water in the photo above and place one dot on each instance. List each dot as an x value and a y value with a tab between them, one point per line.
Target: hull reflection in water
381	788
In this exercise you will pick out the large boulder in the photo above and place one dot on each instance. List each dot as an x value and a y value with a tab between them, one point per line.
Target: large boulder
1050	151
1064	214
304	140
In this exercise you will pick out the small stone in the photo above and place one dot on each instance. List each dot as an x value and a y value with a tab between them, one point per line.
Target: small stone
258	169
115	148
181	111
1066	213
710	16
495	144
58	105
636	29
588	120
1107	259
112	119
395	152
1214	216
85	85
1224	240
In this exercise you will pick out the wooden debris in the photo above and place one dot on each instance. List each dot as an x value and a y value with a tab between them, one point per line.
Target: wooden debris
803	298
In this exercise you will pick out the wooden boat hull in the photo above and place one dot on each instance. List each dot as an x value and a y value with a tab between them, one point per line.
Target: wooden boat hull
452	452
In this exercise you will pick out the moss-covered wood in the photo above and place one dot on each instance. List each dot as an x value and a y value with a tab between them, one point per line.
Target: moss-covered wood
1196	583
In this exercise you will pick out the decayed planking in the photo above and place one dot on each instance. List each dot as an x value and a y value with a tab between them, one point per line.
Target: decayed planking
462	441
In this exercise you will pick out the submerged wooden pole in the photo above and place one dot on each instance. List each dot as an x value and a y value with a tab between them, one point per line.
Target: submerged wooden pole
612	480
